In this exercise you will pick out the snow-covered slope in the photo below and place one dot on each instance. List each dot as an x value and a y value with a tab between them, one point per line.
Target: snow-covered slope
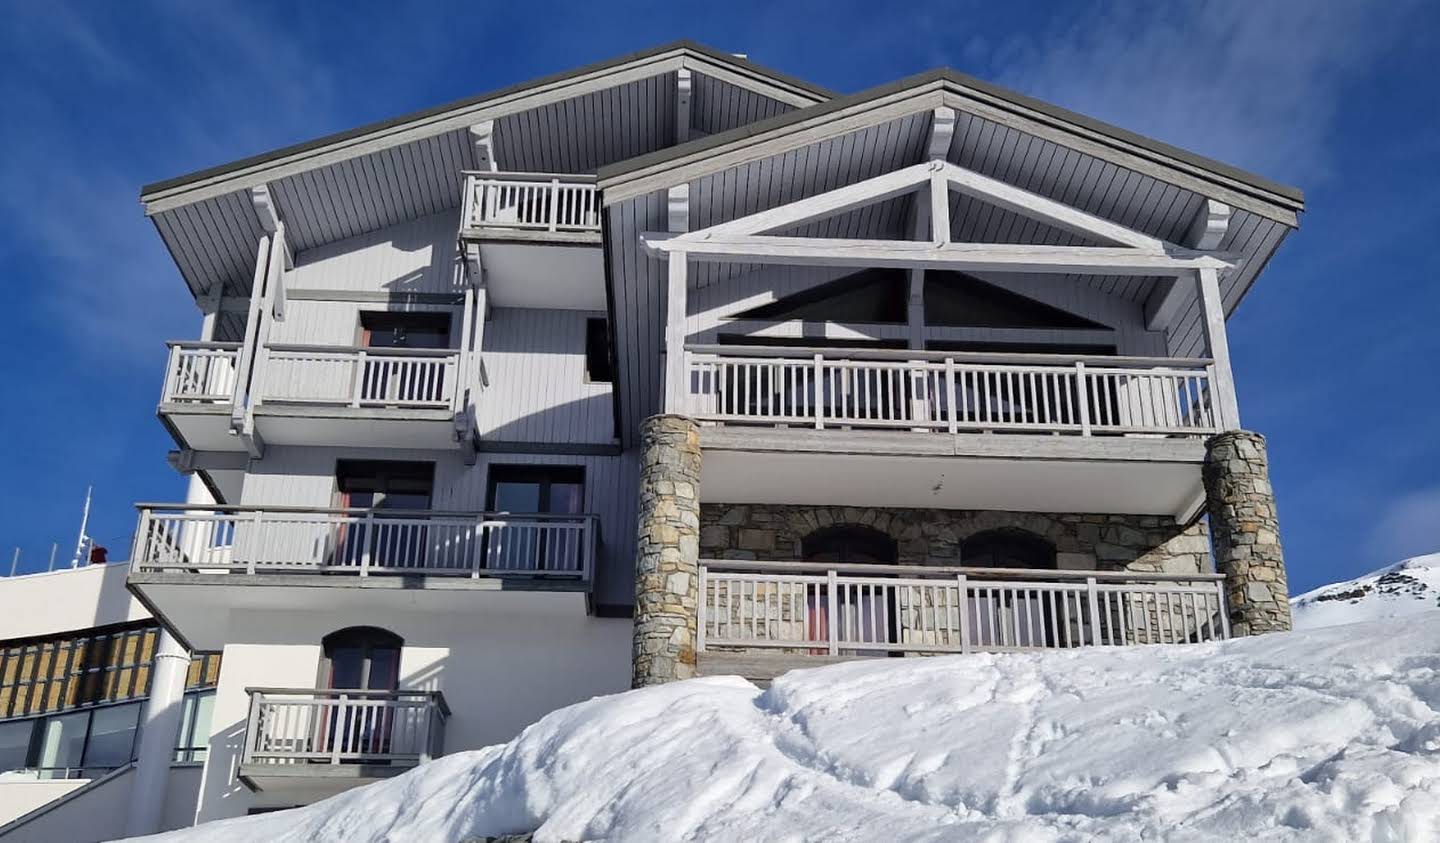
1408	588
1332	734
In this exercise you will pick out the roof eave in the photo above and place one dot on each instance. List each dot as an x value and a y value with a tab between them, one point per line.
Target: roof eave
179	184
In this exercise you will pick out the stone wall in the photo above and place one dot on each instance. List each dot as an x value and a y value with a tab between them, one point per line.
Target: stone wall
666	571
1247	533
933	536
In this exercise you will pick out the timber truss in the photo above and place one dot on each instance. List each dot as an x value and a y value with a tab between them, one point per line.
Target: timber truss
1120	251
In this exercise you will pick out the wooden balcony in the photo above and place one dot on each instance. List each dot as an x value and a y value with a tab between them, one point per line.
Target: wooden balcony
295	736
193	565
556	206
762	618
950	393
1033	432
199	394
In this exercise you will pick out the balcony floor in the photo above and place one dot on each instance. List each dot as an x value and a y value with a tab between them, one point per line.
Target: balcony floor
1023	473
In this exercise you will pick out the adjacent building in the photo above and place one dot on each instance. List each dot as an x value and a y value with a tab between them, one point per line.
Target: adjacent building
675	365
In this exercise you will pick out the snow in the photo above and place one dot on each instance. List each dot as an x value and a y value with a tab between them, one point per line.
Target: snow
1408	588
1330	734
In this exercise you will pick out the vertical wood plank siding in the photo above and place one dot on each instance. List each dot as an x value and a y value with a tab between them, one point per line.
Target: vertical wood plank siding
538	392
305	477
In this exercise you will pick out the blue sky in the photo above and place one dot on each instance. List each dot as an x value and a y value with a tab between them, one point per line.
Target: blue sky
1337	349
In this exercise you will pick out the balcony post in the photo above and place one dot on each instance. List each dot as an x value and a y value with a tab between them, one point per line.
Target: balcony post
342	725
367	544
1217	343
819	392
1082	397
832	614
963	586
357	384
952	411
554	203
252	729
1092	597
255	539
676	378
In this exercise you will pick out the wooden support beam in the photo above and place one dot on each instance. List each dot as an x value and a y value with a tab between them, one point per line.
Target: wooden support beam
482	139
677	209
684	83
1217	344
942	132
266	209
830	203
939	206
973	257
675	299
1207	231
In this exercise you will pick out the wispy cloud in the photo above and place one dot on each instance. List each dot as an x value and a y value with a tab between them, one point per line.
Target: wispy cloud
1409	526
1258	85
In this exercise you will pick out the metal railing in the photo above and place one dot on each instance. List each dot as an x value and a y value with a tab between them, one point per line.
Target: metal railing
279	540
201	373
355	376
305	726
956	392
829	609
534	201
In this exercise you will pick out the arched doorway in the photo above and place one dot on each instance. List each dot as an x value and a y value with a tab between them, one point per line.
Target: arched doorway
1030	613
359	662
864	613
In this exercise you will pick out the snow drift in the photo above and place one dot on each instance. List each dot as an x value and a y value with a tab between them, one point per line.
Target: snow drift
1326	735
1401	590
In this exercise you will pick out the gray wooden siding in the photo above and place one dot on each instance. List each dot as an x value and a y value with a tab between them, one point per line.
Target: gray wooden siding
305	477
538	391
584	133
417	256
717	106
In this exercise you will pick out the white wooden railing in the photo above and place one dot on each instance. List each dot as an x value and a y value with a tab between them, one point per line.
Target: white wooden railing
954	392
828	609
536	201
355	376
258	541
305	726
201	373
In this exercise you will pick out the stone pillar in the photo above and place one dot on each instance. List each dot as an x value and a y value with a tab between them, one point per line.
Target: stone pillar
667	574
1246	532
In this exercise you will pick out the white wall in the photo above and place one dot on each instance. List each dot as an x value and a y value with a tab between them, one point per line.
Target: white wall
21	796
95	813
538	391
499	670
66	600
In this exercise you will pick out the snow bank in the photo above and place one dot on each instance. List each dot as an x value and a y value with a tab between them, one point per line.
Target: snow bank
1325	735
1402	590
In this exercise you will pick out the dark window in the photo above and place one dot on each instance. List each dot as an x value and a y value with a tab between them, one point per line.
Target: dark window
879	295
81	744
955	299
849	544
362	658
15	744
384	484
1007	549
597	352
389	329
543	489
1074	349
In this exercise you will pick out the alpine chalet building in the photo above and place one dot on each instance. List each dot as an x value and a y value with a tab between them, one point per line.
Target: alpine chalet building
674	365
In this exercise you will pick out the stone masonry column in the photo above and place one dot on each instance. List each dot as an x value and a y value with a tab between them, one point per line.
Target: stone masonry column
667	572
1246	532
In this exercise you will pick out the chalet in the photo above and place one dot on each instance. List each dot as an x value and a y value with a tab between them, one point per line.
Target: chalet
674	365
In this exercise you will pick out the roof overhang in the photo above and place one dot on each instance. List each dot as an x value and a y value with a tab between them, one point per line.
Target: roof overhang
947	88
257	170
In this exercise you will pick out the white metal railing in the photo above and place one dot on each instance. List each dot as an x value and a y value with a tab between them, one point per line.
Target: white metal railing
950	392
201	372
829	609
277	540
355	376
536	201
305	726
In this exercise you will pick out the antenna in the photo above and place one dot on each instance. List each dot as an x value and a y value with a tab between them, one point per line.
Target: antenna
84	522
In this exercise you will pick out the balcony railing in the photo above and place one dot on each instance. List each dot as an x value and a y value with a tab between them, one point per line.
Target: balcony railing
300	726
413	378
918	390
533	201
201	373
828	609
259	541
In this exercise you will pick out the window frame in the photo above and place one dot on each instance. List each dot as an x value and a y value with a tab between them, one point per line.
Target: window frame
605	351
546	476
